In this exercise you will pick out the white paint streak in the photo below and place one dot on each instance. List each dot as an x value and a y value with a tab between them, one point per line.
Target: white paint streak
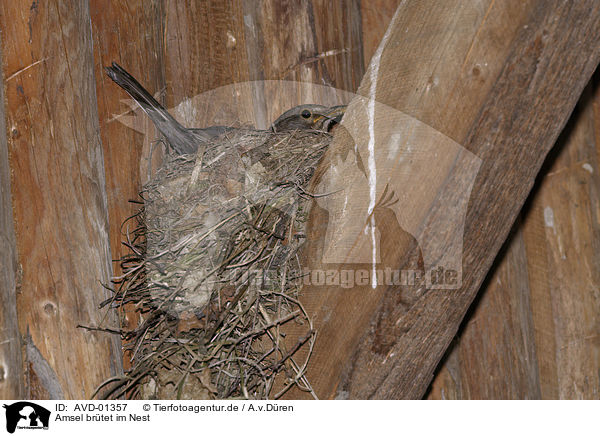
371	159
588	168
374	75
249	22
550	223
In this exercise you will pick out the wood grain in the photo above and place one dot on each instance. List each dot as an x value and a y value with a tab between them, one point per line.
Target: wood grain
131	34
561	329
337	26
375	18
494	346
494	77
59	198
561	238
247	62
494	354
204	50
11	364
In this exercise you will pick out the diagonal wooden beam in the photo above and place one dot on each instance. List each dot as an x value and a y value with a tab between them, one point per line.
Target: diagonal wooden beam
489	86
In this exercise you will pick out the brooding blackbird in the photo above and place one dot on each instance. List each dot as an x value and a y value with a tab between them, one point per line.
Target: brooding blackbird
187	140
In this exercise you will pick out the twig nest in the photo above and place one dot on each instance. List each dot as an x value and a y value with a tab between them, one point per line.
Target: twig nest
215	267
200	210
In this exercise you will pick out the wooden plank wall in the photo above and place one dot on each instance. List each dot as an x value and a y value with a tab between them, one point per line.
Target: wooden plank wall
131	34
59	202
214	43
533	332
11	365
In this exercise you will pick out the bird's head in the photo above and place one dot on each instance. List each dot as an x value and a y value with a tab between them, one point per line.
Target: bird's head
309	117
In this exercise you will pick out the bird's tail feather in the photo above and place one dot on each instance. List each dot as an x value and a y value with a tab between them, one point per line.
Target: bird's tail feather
182	140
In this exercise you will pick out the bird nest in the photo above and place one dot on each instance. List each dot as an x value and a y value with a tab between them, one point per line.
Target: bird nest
215	272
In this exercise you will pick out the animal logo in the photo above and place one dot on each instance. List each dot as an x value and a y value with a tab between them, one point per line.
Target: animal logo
25	414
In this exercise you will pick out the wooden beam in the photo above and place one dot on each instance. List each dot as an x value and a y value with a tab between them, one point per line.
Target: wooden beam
492	83
11	364
59	198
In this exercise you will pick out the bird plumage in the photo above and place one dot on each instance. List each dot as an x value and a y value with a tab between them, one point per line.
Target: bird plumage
310	117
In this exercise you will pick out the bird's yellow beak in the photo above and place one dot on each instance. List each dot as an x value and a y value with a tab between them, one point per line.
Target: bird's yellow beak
331	117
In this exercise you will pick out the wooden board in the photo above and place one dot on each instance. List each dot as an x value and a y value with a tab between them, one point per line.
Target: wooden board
59	198
375	18
209	53
246	62
131	34
11	364
561	239
494	353
494	78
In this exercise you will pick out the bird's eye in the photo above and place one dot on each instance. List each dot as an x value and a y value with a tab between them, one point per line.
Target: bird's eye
305	113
